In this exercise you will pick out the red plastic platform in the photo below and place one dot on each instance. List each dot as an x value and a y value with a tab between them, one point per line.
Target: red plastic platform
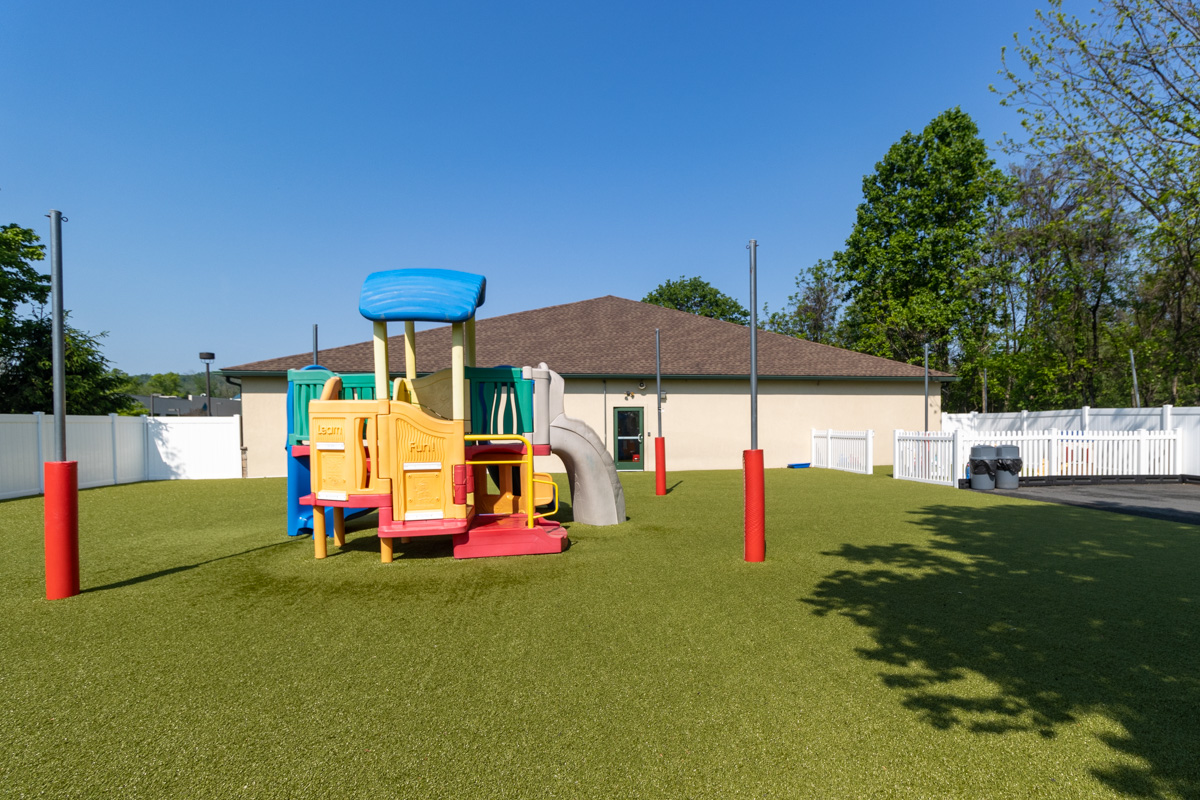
354	501
509	536
391	528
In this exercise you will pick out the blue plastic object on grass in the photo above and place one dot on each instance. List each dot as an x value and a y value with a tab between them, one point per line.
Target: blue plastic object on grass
805	465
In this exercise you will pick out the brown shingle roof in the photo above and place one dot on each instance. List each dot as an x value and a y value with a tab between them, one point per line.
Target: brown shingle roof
613	336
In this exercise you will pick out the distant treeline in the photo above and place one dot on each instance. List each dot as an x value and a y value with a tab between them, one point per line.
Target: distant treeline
175	384
1050	274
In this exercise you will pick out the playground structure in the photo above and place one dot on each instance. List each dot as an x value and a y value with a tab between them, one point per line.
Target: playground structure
420	450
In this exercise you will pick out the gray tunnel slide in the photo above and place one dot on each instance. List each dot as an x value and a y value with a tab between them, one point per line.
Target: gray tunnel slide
597	497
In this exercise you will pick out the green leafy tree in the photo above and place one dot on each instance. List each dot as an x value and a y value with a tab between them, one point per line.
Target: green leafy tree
812	312
20	283
1117	93
697	296
912	261
1059	281
26	371
165	383
92	387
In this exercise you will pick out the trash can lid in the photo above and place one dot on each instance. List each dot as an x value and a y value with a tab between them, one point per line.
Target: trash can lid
1008	451
981	451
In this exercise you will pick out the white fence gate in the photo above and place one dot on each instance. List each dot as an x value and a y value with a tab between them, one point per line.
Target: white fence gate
115	449
852	451
926	456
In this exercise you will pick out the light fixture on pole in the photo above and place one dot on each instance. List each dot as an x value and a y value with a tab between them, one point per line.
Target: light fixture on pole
208	358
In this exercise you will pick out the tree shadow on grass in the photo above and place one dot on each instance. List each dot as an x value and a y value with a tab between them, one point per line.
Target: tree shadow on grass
1064	612
162	573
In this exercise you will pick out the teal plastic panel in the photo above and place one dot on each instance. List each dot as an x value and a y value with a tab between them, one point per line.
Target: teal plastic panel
306	385
501	400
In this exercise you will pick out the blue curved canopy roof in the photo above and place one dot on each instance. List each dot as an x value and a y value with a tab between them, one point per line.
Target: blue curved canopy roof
422	295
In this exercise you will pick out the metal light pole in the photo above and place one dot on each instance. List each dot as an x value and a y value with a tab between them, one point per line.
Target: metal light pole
61	516
752	459
660	444
753	248
316	352
58	337
985	391
207	358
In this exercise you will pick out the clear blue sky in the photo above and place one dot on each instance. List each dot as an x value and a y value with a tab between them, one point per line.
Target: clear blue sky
232	171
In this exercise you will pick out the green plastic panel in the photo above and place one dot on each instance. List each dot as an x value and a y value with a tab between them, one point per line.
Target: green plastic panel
501	400
307	385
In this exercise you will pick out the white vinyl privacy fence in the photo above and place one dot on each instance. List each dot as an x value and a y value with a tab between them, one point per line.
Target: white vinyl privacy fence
115	449
1126	420
943	457
852	451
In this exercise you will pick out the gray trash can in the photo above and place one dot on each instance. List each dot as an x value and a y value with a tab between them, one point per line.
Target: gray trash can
1008	466
983	467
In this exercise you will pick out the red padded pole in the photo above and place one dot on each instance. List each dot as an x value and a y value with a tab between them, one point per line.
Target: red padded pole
660	466
756	522
62	529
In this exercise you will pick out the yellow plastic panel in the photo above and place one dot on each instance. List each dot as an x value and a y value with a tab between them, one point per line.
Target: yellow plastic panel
342	437
435	394
425	451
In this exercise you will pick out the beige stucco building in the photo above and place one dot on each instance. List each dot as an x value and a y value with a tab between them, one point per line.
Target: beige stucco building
604	349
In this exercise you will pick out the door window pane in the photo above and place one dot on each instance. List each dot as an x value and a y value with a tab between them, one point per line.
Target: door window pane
627	423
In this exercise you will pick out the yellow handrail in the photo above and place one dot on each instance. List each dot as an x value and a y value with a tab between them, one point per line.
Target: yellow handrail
527	462
553	511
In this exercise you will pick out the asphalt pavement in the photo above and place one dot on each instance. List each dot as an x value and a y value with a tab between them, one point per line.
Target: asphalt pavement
1174	502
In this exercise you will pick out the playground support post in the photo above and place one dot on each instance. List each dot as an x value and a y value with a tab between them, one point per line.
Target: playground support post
660	444
61	516
410	350
752	459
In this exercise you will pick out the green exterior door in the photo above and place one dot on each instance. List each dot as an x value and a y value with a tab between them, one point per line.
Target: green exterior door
627	438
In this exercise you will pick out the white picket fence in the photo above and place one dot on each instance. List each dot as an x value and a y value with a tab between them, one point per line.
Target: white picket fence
852	451
942	457
113	449
1164	418
926	456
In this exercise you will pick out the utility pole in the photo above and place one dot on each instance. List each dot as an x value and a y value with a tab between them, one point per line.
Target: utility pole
927	388
1137	400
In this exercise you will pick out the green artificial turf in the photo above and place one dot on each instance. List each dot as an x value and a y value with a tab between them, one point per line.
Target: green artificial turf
901	641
